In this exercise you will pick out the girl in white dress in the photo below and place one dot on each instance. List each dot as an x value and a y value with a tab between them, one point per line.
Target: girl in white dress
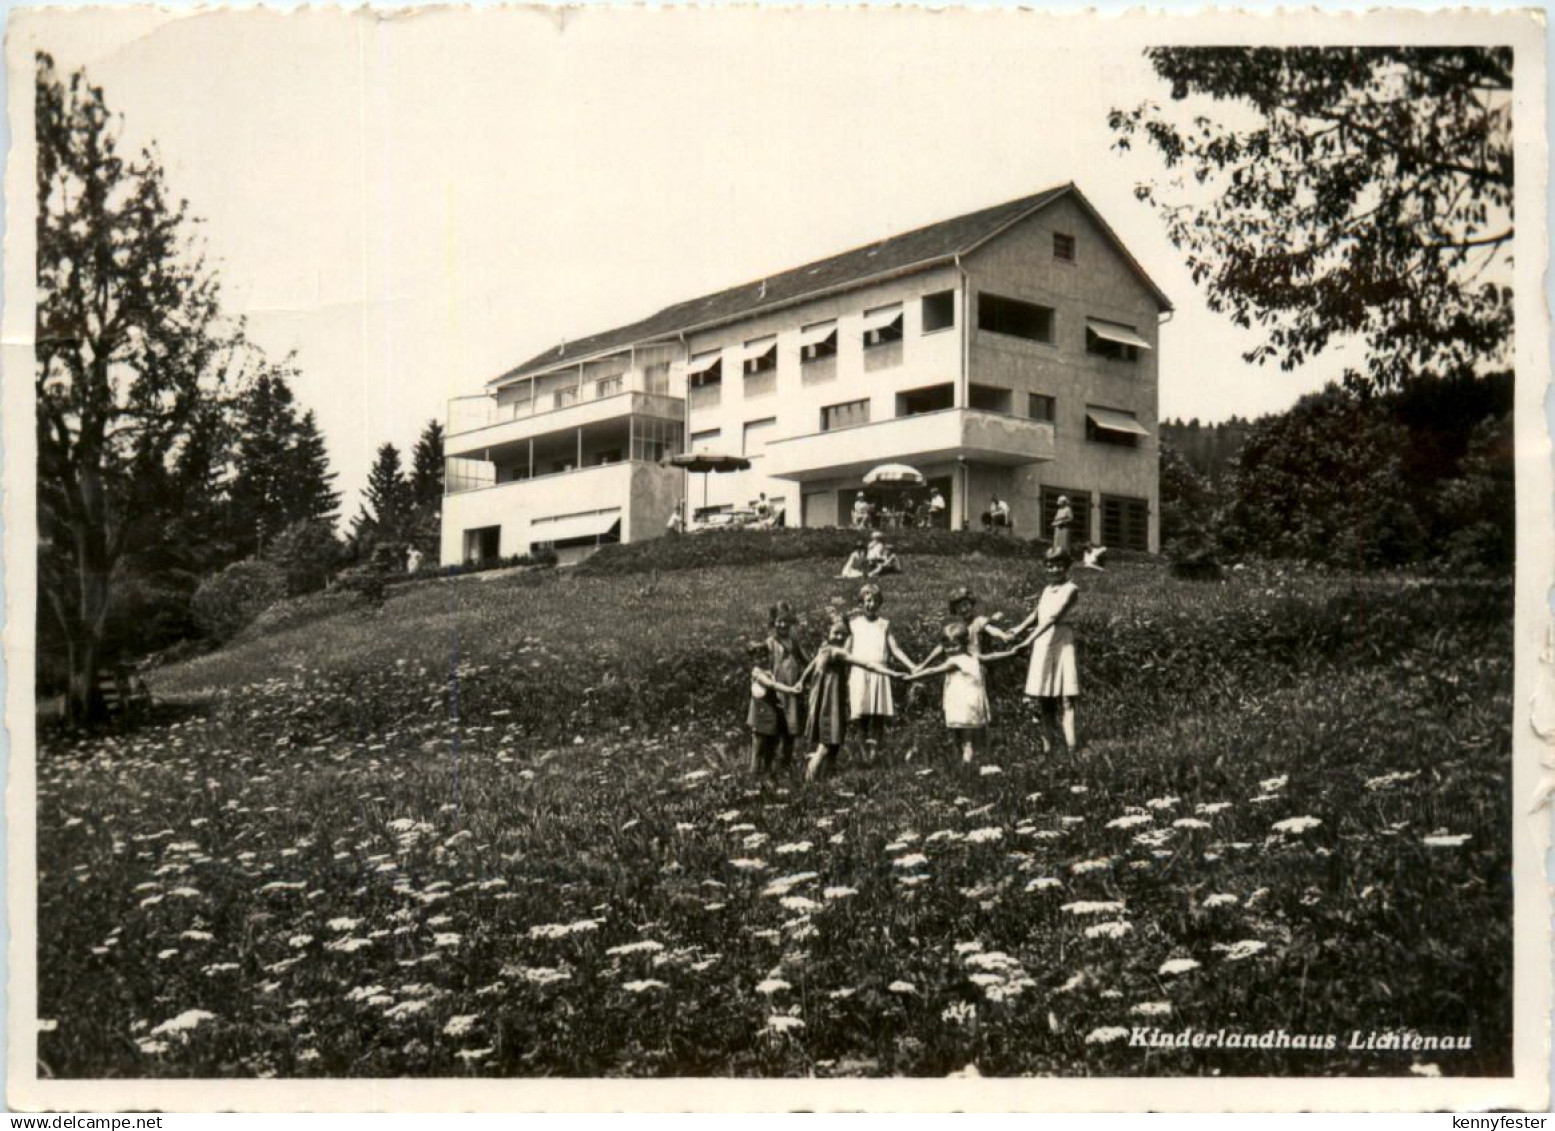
1054	680
871	641
966	695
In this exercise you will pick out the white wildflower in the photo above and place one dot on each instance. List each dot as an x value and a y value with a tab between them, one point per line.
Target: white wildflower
1092	907
643	946
1113	930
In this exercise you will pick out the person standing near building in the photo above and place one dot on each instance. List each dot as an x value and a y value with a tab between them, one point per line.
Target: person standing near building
997	517
860	511
677	520
936	509
1063	527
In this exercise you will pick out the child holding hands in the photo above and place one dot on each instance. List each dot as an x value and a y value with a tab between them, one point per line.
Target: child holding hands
966	694
767	717
826	724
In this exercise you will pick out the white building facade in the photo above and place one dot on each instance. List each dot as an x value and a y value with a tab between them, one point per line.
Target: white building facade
1009	352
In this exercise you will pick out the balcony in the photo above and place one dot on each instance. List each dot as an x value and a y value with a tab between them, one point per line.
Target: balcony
922	438
477	424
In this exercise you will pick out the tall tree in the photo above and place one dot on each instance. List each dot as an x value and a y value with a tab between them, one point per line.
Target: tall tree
426	468
1326	483
1362	191
387	511
426	488
311	496
131	348
267	433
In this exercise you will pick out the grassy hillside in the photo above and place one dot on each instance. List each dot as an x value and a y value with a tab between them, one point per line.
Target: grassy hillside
504	827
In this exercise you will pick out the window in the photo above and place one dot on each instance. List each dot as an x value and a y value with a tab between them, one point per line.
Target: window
609	386
704	376
882	326
1040	406
656	377
564	397
1112	426
1125	522
1113	339
817	341
846	415
1079	506
1063	247
654	439
705	370
757	433
1000	315
988	398
760	356
706	441
935	398
939	311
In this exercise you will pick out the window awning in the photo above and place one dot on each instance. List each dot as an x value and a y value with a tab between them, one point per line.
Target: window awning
815	335
880	319
1111	420
1112	332
575	526
760	348
699	365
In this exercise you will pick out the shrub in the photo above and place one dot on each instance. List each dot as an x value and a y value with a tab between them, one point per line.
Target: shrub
307	553
755	547
226	603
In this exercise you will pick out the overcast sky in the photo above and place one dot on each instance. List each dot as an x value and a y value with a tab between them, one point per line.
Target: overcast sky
414	204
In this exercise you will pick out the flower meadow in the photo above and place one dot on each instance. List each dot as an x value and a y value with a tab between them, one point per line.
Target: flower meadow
504	827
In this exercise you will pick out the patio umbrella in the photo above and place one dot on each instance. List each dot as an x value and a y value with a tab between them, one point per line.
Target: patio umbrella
895	474
705	462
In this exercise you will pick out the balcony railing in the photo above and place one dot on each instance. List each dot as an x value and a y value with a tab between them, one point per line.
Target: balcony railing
458	482
467	414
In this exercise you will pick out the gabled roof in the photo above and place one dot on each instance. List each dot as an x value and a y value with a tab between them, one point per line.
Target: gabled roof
911	251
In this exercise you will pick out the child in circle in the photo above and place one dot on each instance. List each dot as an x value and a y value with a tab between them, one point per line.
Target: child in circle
826	723
1053	679
963	606
767	717
788	660
871	641
967	712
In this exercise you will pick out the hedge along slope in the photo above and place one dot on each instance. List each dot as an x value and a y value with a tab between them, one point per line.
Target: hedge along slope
754	547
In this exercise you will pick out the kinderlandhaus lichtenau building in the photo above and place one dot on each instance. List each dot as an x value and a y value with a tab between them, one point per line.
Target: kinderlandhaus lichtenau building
1009	352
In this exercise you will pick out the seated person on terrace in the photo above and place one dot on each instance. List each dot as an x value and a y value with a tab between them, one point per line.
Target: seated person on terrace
880	558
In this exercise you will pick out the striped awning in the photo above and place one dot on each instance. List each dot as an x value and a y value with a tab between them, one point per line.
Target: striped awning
883	317
1112	332
699	365
575	526
1111	420
817	333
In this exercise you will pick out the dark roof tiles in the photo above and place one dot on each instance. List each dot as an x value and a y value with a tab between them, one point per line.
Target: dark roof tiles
921	246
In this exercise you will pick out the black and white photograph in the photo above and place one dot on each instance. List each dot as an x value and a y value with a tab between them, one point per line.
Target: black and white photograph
599	558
